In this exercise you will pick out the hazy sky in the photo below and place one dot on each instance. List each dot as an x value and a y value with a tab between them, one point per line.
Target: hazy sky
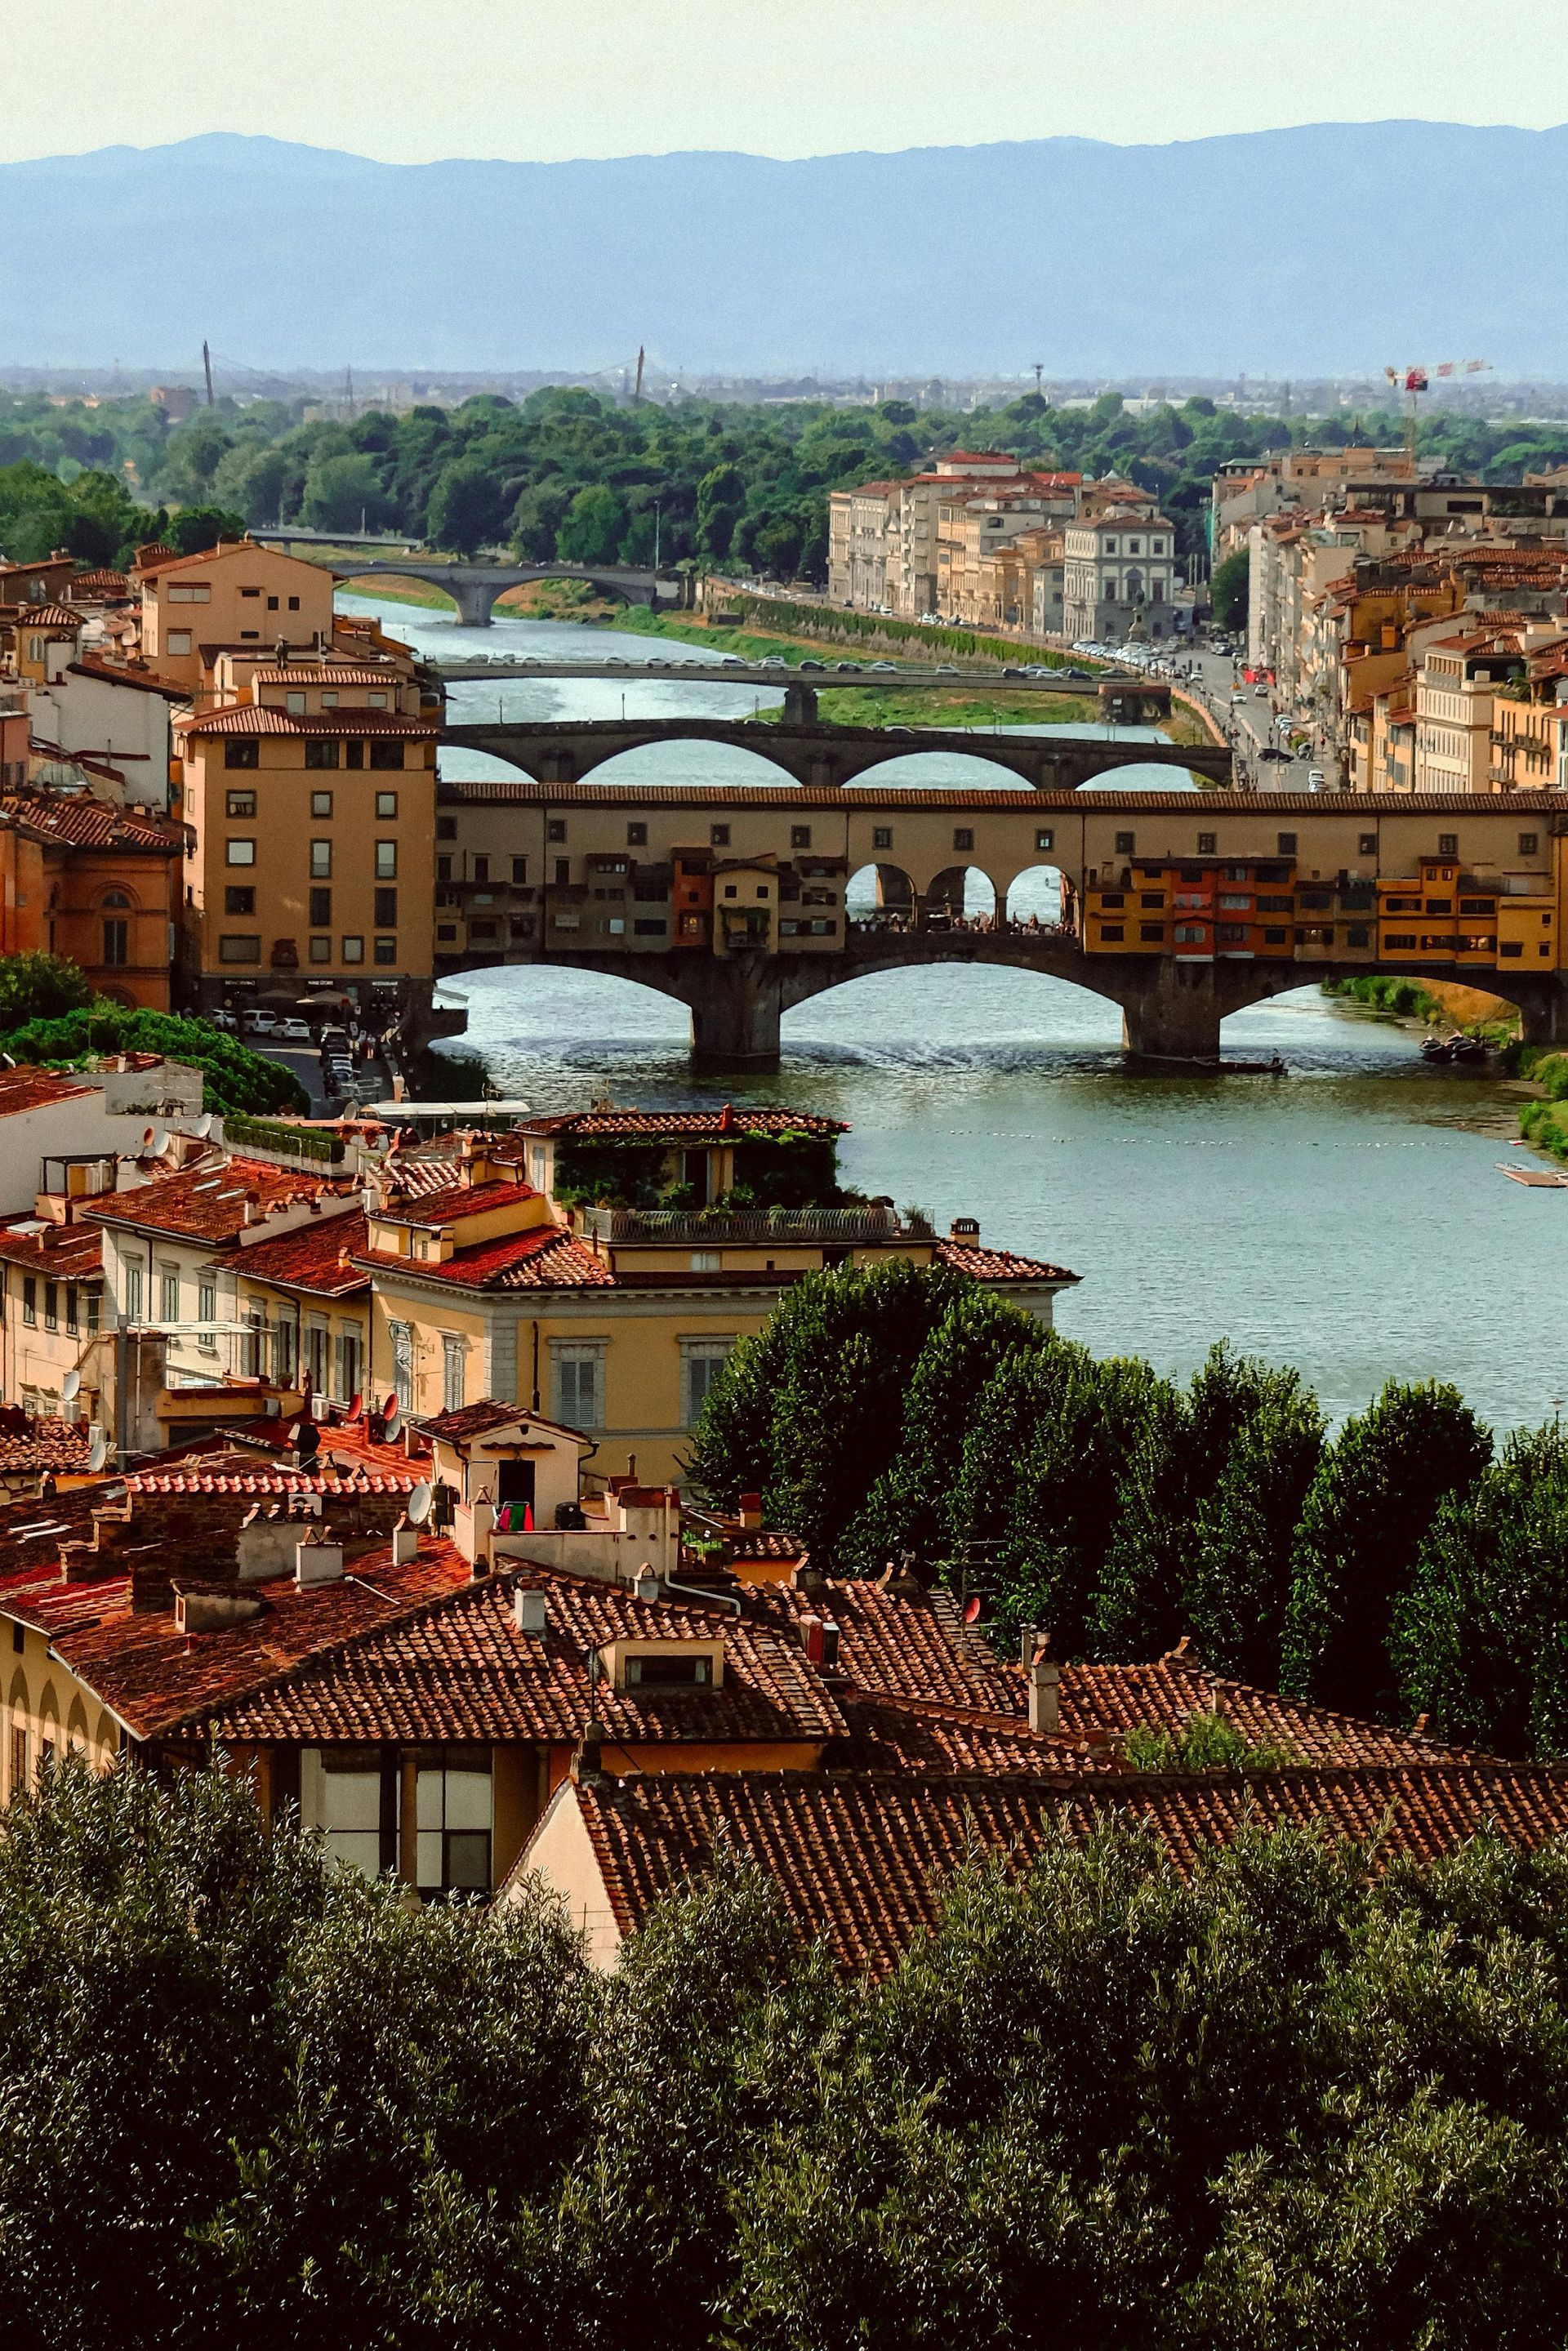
412	79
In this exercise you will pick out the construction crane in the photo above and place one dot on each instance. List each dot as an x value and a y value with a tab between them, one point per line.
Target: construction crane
1414	381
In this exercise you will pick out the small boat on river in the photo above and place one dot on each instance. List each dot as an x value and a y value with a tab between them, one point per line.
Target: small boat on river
1459	1047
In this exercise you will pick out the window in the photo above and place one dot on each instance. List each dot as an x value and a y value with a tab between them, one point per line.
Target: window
453	1353
1206	845
242	751
320	909
882	836
481	864
320	750
446	828
800	836
1111	930
207	1311
1447	844
563	872
346	1357
679	1671
51	1306
718	835
520	871
354	948
178	642
386	755
283	1354
454	1809
117	943
191	593
444	873
73	1309
963	837
321	861
555	828
239	946
241	803
18	1738
1124	845
354	754
169	1294
239	899
294	603
294	703
241	850
385	951
1044	838
636	836
579	1367
255	591
386	863
1287	845
29	1298
1155	931
321	949
353	1800
314	1350
133	1294
1529	844
1366	844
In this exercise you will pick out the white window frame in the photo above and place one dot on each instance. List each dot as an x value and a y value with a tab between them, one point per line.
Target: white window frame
402	1337
454	1371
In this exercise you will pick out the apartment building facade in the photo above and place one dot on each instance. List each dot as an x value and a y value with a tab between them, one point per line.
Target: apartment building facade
1119	574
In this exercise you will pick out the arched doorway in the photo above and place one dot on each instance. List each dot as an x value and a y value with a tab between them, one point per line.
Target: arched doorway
880	900
961	898
1041	898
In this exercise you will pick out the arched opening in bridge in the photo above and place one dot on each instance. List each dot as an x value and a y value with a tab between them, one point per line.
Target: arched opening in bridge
529	1019
880	898
949	1015
402	592
961	898
1037	899
684	762
938	771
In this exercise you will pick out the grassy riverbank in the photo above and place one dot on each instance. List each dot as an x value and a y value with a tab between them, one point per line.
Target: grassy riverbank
1437	1003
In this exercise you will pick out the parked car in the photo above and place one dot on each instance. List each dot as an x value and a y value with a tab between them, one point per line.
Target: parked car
1260	693
225	1020
255	1022
1315	780
1237	695
292	1032
1271	754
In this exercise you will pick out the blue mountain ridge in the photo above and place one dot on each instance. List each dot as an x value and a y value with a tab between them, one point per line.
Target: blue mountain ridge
1331	249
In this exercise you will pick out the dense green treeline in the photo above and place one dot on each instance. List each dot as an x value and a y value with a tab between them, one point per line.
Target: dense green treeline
49	1015
1398	1567
250	2099
577	475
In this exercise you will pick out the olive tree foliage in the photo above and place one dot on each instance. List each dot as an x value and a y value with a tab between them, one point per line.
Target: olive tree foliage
1282	2100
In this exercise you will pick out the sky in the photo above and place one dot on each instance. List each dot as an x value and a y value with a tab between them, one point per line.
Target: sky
538	80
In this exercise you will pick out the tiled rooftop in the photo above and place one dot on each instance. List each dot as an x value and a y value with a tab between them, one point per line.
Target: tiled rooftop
318	1257
25	1089
209	1202
59	1252
546	1257
997	1265
455	1203
690	1127
261	719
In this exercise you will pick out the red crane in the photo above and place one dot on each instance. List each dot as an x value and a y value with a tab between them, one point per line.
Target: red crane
1414	381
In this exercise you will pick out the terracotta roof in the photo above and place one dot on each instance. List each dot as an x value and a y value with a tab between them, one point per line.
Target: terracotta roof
456	1202
1112	1698
155	1678
1100	802
461	1669
261	719
60	1252
762	1543
998	1265
478	1419
266	1483
44	616
859	1858
208	1202
899	1644
330	673
686	1126
26	1088
143	680
161	559
102	582
547	1258
86	823
46	1445
317	1257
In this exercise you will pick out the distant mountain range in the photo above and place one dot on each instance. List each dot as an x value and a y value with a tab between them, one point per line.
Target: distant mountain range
1331	249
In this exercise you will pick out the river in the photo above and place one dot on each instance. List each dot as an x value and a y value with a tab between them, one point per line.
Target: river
1348	1219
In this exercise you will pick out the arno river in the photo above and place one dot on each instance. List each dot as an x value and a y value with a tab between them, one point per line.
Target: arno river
1348	1219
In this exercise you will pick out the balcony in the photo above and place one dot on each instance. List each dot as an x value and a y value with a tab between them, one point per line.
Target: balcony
680	1227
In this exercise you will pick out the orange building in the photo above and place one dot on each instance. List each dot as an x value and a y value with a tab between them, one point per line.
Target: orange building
96	882
238	596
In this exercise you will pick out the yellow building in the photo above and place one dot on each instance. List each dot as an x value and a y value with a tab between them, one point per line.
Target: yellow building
614	1319
311	807
236	595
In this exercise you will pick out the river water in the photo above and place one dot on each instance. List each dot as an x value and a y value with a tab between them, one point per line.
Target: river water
1348	1219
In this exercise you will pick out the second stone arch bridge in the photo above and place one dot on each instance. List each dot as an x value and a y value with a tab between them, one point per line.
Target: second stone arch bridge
732	899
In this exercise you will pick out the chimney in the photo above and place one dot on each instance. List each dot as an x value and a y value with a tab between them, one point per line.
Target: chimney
811	1638
647	1584
966	1231
750	1511
587	1767
1029	1639
404	1544
830	1644
317	1563
530	1611
1045	1693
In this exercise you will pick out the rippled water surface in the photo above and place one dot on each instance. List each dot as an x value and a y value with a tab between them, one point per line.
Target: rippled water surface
1348	1219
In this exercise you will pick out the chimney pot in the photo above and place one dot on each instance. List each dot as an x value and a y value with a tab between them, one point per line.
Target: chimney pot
750	1510
811	1638
1045	1694
647	1584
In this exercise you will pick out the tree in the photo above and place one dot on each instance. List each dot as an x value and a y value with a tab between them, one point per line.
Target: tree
1230	589
591	528
1377	1492
196	528
1480	1640
343	491
38	987
466	511
719	497
235	1077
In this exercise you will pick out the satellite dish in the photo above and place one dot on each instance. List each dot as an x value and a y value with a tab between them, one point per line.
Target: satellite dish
419	1504
392	1423
98	1453
70	1387
159	1142
203	1126
972	1610
388	1409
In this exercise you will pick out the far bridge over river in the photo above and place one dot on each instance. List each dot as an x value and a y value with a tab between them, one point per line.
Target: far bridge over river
1182	906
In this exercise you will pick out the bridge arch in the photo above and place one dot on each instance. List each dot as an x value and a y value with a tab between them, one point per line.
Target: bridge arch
961	896
386	576
685	759
881	897
1041	893
933	770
